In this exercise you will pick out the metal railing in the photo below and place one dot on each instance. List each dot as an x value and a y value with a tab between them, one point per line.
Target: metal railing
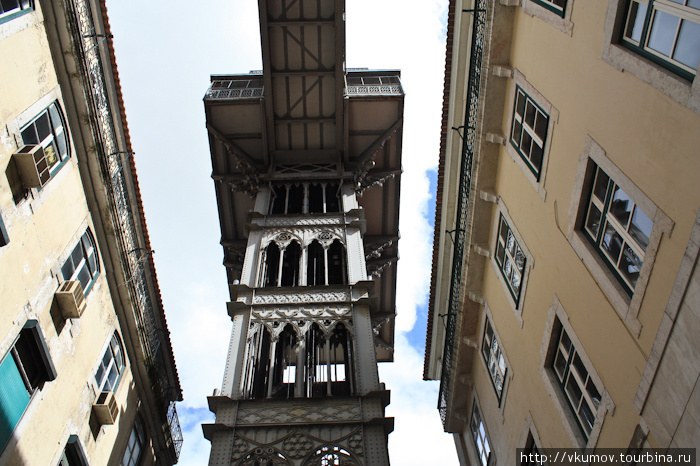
469	141
235	89
134	257
373	85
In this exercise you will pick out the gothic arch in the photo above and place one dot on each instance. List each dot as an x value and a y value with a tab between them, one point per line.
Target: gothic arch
331	455
264	456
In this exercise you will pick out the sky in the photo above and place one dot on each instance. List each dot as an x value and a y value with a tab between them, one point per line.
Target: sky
166	51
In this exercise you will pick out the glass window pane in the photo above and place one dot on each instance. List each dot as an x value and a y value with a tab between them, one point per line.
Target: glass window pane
580	368
29	135
640	228
520	260
530	112
574	392
565	342
601	185
635	21
593	393
593	222
511	243
663	32
630	265
517	132
536	156
560	365
541	125
612	243
587	417
688	46
621	206
43	127
500	252
694	4
520	106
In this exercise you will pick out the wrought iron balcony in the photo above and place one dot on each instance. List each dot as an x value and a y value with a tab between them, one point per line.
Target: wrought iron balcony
373	85
469	142
247	87
117	181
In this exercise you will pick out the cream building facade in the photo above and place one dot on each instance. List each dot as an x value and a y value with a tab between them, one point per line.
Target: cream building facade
564	307
87	374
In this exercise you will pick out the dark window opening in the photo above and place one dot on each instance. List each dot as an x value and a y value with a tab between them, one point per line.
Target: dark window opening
315	267
316	198
272	264
23	371
295	201
337	270
278	204
333	198
290	265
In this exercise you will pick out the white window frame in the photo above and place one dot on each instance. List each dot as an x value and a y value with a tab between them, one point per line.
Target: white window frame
558	319
561	21
480	436
627	307
84	262
624	59
518	306
507	374
134	449
101	384
519	81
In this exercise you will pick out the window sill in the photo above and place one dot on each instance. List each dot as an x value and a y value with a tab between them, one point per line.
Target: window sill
555	20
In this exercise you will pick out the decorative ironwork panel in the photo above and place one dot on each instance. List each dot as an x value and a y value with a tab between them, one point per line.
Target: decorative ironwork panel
469	142
134	257
236	89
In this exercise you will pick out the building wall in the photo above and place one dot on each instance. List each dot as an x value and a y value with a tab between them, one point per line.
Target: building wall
43	228
652	140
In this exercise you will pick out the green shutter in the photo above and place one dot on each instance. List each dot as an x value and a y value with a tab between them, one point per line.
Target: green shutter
14	398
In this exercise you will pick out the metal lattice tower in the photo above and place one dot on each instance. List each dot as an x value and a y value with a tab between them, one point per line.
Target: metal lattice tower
306	160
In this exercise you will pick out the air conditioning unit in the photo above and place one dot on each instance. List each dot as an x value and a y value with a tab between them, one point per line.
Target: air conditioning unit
32	166
71	299
105	408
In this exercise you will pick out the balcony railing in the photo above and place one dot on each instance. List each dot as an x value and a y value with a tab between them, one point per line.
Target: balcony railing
252	88
469	141
134	256
236	89
373	86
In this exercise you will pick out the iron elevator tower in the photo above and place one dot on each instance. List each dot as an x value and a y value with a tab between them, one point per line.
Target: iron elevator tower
306	159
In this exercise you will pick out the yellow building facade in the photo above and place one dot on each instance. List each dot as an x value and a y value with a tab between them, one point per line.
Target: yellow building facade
87	374
564	309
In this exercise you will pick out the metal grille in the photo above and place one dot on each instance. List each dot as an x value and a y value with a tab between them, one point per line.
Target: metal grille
233	89
134	257
374	90
469	141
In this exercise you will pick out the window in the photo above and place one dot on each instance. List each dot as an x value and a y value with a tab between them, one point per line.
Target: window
531	454
557	6
618	228
137	439
492	352
82	264
23	371
73	455
12	8
580	390
48	130
665	31
510	258
571	381
483	447
111	366
313	198
529	131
